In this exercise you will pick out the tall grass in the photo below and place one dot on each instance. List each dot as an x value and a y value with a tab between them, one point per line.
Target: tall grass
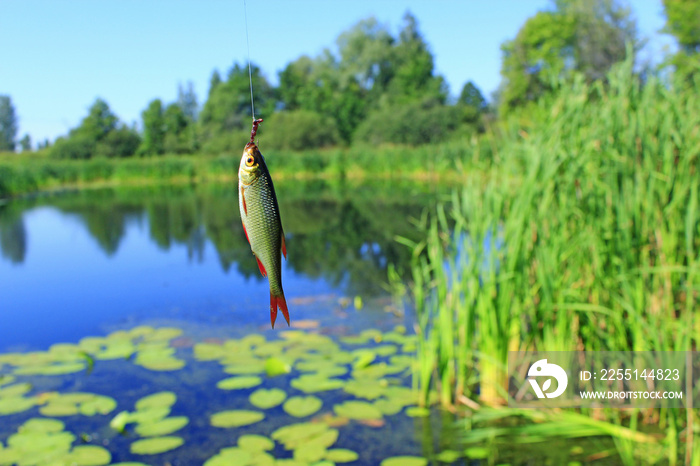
596	208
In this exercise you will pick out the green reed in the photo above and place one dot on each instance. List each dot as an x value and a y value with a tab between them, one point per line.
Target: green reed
595	204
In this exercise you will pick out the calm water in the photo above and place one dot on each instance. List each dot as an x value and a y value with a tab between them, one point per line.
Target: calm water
87	263
77	264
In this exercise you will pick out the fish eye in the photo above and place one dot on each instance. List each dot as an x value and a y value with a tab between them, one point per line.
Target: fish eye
249	161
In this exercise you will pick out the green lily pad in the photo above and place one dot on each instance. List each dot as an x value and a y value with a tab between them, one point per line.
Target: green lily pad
209	352
88	455
309	452
275	366
266	399
404	461
98	405
236	418
120	421
150	415
388	407
370	389
156	400
15	390
42	425
232	456
363	358
162	427
385	350
360	410
6	379
448	456
341	455
416	411
158	361
255	443
13	405
302	406
57	409
129	463
309	383
293	435
476	453
237	383
155	445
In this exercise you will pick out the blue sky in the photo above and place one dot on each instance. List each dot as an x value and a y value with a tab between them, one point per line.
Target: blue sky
57	57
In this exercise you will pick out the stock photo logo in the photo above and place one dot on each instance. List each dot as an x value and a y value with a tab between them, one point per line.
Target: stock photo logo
543	369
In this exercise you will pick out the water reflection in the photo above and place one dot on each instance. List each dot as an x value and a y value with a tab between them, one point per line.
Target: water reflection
344	235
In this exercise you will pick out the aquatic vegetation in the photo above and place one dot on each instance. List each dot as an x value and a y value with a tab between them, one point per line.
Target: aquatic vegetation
157	423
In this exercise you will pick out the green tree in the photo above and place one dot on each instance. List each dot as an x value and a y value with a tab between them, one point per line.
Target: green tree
471	96
187	100
585	36
226	114
25	143
214	82
683	22
177	135
413	76
99	134
8	124
153	129
299	130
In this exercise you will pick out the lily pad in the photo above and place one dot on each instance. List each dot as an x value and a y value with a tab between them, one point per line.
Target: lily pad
255	443
275	366
236	418
370	389
88	455
98	405
404	461
13	405
448	456
163	427
155	445
15	390
309	452
302	406
309	383
232	456
42	425
293	435
156	400
150	415
359	410
341	455
266	399
417	411
237	383
57	409
388	407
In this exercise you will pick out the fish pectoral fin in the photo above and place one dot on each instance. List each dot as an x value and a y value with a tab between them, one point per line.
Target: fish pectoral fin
284	245
275	303
245	207
261	267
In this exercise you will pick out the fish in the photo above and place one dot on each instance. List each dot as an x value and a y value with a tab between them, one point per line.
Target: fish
262	225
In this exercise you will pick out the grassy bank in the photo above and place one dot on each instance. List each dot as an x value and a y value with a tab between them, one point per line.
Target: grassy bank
28	173
594	247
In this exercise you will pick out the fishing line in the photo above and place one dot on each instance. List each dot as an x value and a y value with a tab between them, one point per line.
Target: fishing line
250	73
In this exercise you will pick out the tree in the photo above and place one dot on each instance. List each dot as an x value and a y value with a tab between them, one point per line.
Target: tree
214	82
471	96
8	124
99	134
187	100
584	36
683	22
227	110
153	129
26	143
176	124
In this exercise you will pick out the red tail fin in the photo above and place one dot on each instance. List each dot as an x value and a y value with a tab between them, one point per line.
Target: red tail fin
275	302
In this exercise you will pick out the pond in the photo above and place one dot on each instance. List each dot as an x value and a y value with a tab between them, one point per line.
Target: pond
134	327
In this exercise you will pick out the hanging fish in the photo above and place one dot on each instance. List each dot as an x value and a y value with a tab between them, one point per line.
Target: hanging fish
261	221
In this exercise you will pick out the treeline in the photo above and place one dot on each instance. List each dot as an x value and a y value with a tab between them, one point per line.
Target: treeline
377	88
